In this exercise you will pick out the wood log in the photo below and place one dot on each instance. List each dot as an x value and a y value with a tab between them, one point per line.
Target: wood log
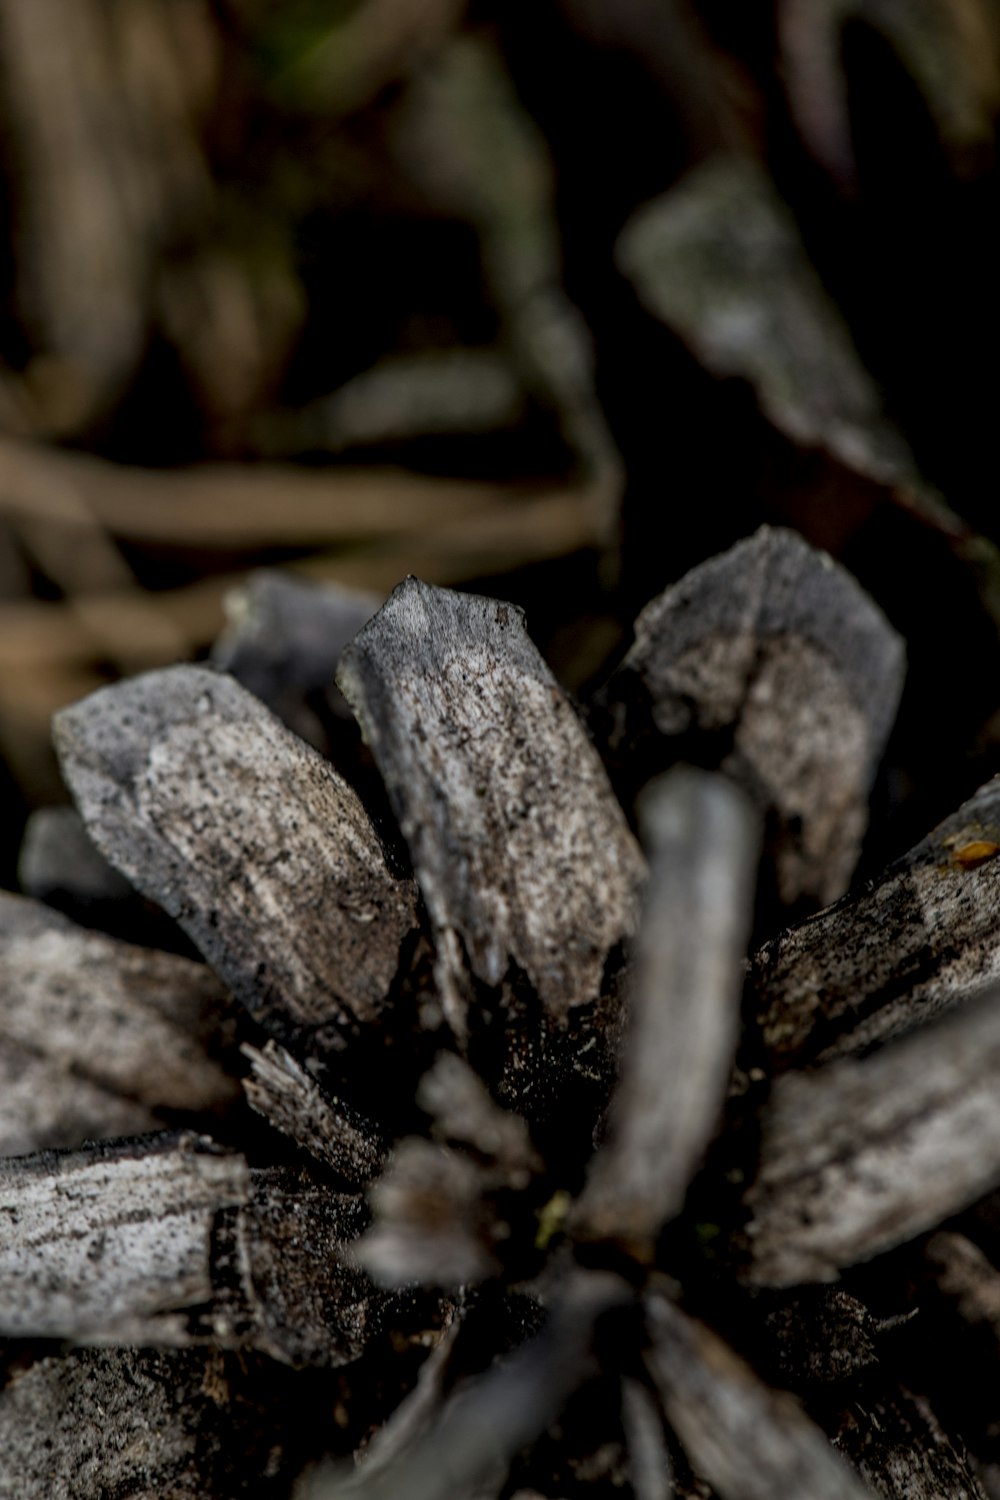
860	1155
262	853
919	940
522	854
98	1038
172	1241
701	835
770	663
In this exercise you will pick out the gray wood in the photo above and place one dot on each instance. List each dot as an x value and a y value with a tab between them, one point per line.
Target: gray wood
171	1241
283	641
702	838
750	1442
520	848
98	1038
113	1243
263	854
861	1155
921	939
771	663
136	1424
901	1450
285	1093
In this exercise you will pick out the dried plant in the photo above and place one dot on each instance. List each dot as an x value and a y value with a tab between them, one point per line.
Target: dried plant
478	1161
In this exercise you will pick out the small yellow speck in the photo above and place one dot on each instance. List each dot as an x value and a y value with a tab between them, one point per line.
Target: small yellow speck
552	1217
975	853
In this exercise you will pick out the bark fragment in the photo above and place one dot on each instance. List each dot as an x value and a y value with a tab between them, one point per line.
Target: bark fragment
113	1242
749	1441
98	1038
901	1450
139	1423
249	839
770	663
859	1156
283	642
701	835
520	849
920	940
171	1241
286	1094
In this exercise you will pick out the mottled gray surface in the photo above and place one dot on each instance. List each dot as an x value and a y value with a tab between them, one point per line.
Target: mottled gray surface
858	1156
771	663
172	1241
902	1451
521	850
113	1243
920	940
248	838
702	839
134	1424
99	1038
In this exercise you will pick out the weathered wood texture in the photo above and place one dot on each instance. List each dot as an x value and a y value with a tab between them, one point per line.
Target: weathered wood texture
860	1155
248	838
750	1442
286	1094
901	1450
283	643
921	939
98	1038
770	663
522	854
138	1424
172	1241
702	838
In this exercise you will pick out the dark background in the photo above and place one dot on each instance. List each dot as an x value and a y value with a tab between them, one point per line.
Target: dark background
320	246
